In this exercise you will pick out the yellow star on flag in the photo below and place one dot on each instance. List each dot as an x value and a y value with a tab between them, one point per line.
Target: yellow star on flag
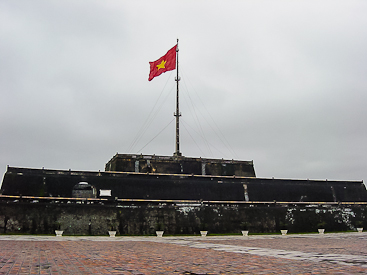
161	66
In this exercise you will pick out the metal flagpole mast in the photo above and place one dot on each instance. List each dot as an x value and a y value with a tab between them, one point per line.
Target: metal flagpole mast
177	114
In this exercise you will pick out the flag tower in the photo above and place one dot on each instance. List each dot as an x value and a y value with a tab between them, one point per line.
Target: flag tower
177	153
166	63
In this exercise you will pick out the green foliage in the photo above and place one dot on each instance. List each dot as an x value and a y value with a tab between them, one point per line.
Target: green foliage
321	225
359	223
244	226
57	225
159	227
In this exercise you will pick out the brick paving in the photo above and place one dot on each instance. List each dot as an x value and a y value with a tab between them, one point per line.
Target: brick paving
344	253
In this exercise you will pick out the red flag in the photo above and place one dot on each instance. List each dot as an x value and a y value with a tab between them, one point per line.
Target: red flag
163	64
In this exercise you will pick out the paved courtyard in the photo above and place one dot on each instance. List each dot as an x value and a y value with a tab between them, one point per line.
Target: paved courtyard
334	253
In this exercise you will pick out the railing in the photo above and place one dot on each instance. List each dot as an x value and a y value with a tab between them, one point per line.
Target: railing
33	199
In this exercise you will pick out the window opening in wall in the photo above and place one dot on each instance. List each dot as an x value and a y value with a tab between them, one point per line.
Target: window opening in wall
203	168
245	193
104	193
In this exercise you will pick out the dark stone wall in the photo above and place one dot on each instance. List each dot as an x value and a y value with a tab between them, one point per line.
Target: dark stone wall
123	185
39	182
305	190
145	218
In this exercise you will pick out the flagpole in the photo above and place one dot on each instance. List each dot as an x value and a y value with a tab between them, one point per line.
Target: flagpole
177	114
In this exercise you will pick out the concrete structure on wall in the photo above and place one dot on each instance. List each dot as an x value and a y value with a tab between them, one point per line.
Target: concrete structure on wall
179	165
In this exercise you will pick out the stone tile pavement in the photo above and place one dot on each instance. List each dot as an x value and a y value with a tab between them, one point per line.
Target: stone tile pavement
334	253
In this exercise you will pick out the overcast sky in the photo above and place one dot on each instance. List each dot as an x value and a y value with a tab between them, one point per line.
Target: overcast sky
282	82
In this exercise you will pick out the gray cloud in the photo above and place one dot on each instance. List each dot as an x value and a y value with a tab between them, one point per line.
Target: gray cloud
283	81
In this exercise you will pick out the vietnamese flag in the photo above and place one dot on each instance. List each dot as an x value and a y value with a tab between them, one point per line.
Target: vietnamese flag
163	64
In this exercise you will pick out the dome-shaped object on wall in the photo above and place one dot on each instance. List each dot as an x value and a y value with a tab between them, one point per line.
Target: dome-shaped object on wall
84	190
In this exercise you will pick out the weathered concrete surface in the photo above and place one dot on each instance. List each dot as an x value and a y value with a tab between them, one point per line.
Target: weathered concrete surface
174	218
180	165
297	254
131	185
